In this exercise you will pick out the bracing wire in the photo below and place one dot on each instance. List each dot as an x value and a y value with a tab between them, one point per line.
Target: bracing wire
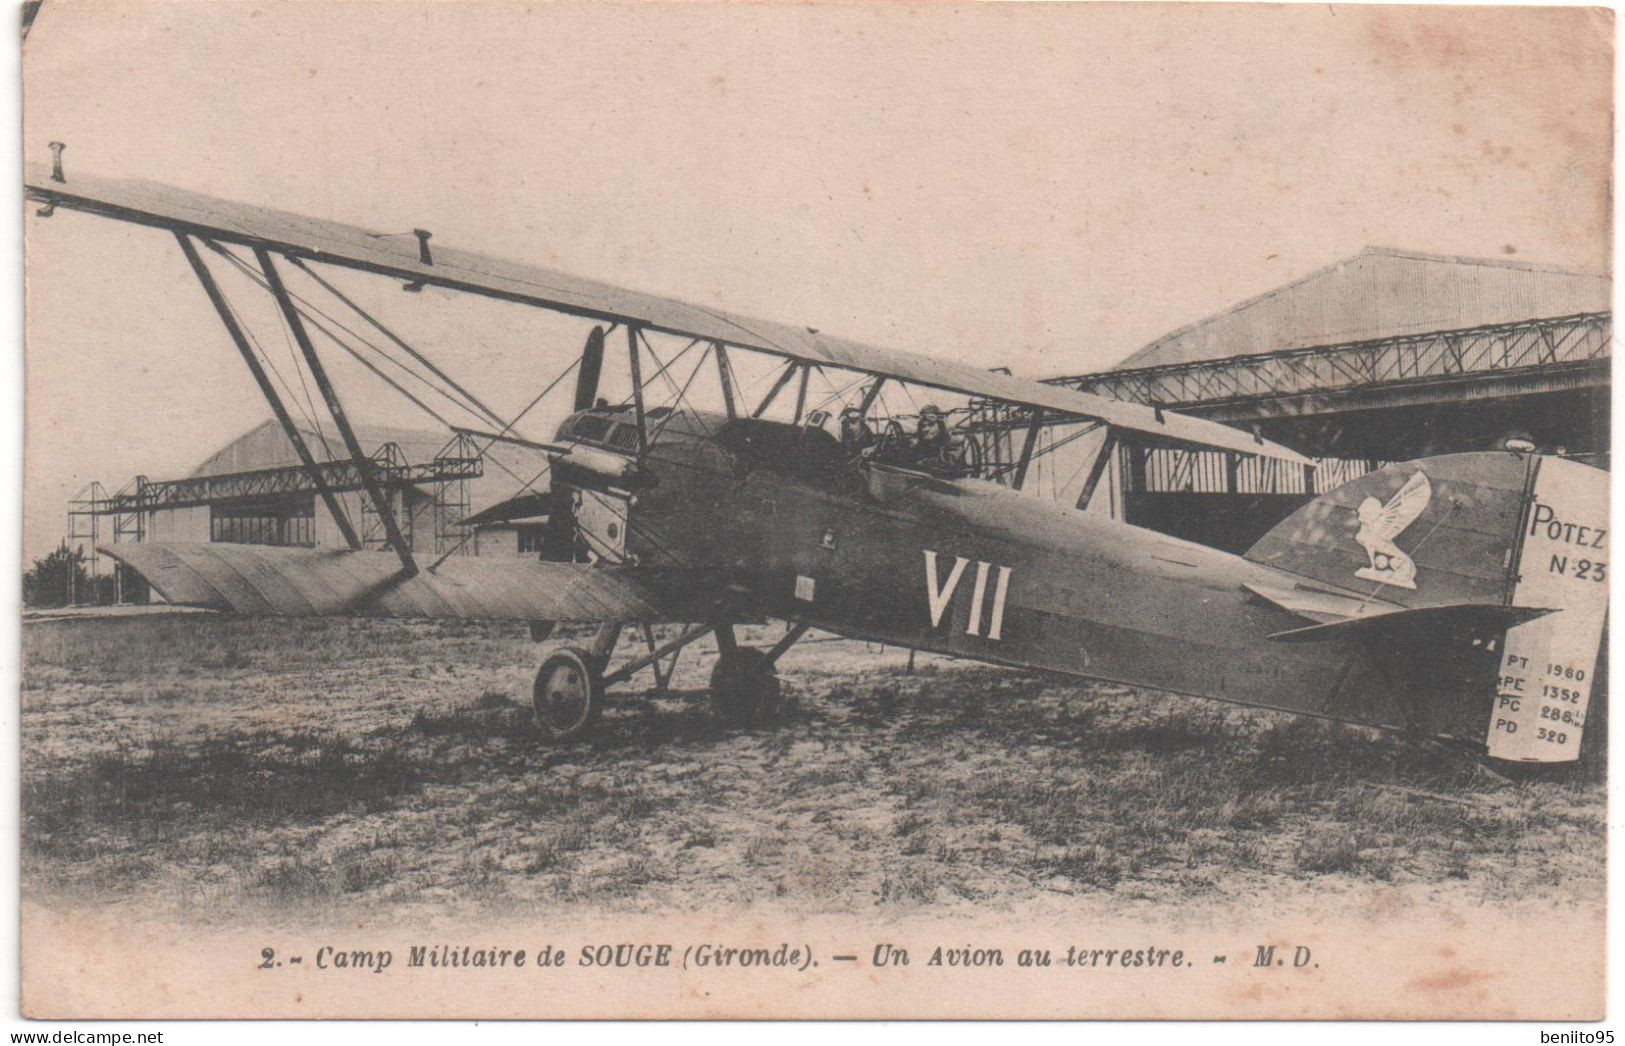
679	402
755	383
837	394
484	452
271	364
392	336
314	322
293	356
664	368
1086	463
310	311
681	394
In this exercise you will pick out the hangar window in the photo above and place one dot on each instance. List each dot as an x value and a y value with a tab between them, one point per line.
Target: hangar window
279	521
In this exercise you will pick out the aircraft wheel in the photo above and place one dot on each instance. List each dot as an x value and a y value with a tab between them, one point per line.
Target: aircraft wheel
568	694
742	685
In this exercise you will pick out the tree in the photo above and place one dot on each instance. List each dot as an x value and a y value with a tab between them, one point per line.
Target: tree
57	579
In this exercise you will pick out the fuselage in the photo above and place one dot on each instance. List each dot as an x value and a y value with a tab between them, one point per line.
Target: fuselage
972	568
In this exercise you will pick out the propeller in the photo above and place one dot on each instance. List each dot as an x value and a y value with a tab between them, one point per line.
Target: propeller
592	364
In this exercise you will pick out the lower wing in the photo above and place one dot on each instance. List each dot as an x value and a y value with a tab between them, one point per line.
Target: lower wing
295	582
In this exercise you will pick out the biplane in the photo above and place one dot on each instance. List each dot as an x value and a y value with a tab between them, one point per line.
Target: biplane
1458	598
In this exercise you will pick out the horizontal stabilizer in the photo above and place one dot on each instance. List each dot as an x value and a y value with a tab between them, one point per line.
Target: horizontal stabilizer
1487	620
1317	604
270	581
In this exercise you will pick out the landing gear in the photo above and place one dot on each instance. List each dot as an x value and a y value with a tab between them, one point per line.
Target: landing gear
568	694
743	685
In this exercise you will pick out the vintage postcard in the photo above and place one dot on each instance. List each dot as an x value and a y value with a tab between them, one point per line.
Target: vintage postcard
860	510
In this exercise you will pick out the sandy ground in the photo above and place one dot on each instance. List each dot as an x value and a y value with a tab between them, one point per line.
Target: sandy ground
224	767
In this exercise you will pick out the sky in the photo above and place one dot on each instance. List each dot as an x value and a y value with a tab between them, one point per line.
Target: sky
1043	187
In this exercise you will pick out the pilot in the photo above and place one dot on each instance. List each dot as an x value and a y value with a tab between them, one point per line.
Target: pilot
932	443
856	436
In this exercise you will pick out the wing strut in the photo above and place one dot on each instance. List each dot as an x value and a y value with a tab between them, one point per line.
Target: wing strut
725	373
872	394
778	387
241	340
1103	458
801	391
637	387
1027	449
363	465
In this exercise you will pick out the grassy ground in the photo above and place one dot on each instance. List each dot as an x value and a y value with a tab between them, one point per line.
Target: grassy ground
218	766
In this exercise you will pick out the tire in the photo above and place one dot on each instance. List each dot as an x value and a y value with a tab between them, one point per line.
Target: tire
568	695
743	685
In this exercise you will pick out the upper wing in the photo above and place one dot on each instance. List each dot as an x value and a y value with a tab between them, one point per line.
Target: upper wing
1403	508
151	203
263	580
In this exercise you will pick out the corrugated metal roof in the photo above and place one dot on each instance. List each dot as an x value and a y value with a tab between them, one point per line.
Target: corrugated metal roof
1382	293
266	446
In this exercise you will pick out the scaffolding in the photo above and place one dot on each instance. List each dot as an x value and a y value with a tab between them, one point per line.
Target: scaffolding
451	501
84	529
129	524
387	461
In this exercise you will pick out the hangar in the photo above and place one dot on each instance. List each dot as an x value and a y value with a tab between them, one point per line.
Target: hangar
1382	357
254	490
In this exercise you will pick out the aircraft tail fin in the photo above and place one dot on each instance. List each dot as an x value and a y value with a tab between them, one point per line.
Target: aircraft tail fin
1491	529
1434	532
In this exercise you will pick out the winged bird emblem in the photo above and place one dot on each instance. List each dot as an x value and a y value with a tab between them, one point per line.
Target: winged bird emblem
1380	524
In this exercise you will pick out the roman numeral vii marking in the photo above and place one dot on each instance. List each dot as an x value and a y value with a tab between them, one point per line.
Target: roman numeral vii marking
940	593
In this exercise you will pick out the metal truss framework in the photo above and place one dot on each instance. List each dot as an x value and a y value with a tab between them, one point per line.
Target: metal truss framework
1528	345
388	467
1569	350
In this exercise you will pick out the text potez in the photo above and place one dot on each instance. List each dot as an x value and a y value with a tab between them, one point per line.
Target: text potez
1544	520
